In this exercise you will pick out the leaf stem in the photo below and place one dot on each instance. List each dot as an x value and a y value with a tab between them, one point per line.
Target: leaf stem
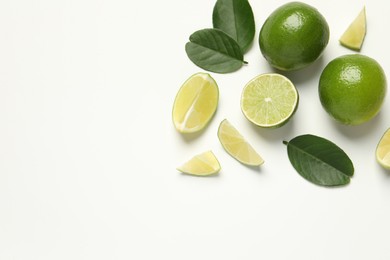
285	142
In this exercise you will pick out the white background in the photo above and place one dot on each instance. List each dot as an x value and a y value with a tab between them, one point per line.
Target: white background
88	151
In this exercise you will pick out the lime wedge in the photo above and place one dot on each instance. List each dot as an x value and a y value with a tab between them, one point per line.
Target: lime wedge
353	37
383	150
235	145
269	100
195	103
203	164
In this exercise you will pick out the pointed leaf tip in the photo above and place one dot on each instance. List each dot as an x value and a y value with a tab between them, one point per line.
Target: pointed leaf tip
320	161
215	51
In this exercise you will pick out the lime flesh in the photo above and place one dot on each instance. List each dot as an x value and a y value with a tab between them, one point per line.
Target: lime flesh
236	146
353	37
195	103
269	100
203	164
383	150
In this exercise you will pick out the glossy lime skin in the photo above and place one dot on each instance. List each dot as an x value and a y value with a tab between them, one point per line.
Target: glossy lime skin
352	88
293	36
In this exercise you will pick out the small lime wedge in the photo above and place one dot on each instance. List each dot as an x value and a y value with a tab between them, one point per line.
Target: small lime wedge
383	150
353	37
195	103
235	145
269	100
203	164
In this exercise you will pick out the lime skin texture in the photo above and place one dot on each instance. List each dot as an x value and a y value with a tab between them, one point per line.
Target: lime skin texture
352	88
293	36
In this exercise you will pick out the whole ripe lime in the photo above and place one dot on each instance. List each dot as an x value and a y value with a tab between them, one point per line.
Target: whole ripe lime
293	36
352	88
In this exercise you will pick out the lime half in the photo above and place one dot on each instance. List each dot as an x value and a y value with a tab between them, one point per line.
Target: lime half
235	145
354	36
195	103
203	164
269	100
383	150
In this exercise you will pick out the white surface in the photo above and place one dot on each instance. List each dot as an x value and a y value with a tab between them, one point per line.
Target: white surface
88	151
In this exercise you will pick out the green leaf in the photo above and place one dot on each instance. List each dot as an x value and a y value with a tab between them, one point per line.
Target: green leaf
319	160
214	50
235	18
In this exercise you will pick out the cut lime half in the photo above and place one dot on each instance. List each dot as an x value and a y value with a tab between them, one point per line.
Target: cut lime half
235	145
195	103
353	37
203	164
383	150
269	100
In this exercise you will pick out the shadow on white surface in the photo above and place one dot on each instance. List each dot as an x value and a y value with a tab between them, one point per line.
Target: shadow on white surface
358	131
256	169
191	137
386	173
308	74
185	175
275	134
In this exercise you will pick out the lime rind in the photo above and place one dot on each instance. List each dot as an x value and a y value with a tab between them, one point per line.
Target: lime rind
352	89
236	145
293	36
269	100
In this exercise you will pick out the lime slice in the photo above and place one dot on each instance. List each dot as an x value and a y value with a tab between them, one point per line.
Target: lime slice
353	37
269	100
383	150
203	164
235	145
195	103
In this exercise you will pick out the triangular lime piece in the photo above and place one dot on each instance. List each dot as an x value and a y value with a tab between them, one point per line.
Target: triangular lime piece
203	164
235	145
354	36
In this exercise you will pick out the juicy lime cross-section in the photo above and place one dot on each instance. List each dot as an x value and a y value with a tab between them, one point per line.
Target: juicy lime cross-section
195	103
269	100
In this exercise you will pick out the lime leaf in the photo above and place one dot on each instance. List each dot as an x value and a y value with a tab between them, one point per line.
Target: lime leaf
319	161
214	50
235	18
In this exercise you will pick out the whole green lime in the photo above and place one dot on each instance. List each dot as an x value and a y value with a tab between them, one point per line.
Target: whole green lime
352	88
293	36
